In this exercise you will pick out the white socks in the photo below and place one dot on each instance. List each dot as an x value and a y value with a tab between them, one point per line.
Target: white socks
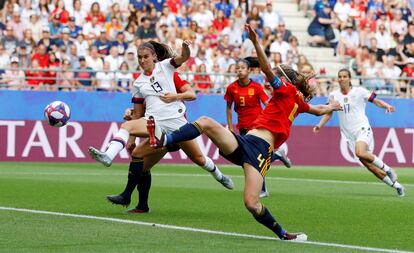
210	167
380	164
387	180
118	143
283	148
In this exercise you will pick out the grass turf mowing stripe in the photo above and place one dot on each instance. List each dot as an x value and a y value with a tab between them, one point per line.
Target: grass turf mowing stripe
336	245
201	175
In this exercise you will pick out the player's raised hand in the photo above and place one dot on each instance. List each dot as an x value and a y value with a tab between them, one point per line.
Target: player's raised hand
169	97
186	44
252	34
128	114
316	129
389	109
335	105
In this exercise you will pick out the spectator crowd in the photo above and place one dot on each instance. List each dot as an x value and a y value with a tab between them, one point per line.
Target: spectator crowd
89	44
376	38
92	45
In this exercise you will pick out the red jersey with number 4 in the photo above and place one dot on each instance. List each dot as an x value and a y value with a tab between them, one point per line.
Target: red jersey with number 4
286	103
246	102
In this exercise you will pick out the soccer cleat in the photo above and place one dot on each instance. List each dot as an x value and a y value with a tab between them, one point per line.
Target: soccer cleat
401	191
299	237
283	157
118	200
392	175
99	156
138	210
226	182
155	142
264	194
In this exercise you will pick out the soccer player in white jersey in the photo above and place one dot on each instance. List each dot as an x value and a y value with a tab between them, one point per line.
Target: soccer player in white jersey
355	127
156	89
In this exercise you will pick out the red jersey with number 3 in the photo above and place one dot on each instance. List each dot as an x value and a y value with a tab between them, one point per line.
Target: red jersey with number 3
246	102
277	117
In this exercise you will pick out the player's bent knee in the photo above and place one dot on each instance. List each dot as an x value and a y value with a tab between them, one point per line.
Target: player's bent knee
252	205
200	160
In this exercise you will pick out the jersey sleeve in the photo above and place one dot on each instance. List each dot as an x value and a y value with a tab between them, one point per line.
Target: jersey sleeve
178	82
169	64
228	96
137	97
303	106
367	95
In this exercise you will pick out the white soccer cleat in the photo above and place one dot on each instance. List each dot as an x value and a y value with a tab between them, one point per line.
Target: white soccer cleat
226	182
264	194
283	158
392	175
297	237
401	191
99	156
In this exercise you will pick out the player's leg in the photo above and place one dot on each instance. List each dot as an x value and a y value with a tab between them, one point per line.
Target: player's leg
221	136
135	127
376	166
137	169
193	151
144	182
253	183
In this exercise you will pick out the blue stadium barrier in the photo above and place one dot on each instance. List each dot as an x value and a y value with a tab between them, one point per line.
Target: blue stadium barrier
110	106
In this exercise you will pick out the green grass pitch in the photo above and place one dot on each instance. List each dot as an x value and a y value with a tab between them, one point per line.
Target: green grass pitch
346	206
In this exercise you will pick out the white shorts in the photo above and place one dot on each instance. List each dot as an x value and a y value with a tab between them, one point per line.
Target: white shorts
170	125
364	135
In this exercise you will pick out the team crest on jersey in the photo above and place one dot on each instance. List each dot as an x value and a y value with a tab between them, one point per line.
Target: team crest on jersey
250	92
345	100
152	79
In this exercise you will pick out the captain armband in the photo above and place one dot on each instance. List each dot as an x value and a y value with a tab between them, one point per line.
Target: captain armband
276	83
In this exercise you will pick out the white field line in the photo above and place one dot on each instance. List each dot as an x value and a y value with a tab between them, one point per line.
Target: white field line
198	175
197	230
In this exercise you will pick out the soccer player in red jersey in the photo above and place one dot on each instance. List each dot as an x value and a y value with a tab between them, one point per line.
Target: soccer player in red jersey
248	97
271	128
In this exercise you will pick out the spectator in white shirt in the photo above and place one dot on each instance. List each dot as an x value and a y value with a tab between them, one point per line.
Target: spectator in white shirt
225	60
342	10
389	70
383	38
270	17
82	45
399	25
105	79
279	45
114	59
349	41
234	33
93	60
203	16
373	70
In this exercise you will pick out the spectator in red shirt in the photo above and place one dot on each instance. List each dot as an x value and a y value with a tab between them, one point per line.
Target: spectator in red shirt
61	12
220	22
202	81
95	11
41	56
407	86
35	76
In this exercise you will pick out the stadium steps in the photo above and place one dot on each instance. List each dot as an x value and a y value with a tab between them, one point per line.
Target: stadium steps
296	22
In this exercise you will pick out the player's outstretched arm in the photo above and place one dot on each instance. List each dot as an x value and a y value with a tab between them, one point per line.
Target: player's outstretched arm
324	120
264	64
185	53
382	104
319	110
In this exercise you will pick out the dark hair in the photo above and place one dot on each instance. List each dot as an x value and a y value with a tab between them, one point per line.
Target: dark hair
348	72
161	50
250	61
299	80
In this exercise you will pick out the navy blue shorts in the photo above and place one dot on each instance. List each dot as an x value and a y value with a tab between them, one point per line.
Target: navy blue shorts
252	150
